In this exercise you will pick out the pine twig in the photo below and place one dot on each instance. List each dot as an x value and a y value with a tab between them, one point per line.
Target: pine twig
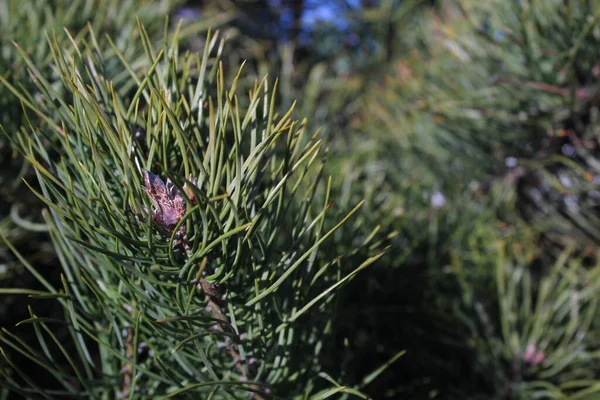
128	368
216	303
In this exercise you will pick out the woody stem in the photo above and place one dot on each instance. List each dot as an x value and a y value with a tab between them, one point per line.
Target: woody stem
216	304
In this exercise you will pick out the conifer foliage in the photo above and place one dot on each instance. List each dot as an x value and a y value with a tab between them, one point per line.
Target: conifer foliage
187	219
207	235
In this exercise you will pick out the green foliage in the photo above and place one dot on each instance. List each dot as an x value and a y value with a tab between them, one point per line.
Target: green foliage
498	88
201	242
525	320
483	137
26	23
215	271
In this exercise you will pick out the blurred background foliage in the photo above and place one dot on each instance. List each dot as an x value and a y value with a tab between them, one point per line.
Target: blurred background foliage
469	127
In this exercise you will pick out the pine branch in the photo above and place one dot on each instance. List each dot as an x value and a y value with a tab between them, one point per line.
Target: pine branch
239	214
